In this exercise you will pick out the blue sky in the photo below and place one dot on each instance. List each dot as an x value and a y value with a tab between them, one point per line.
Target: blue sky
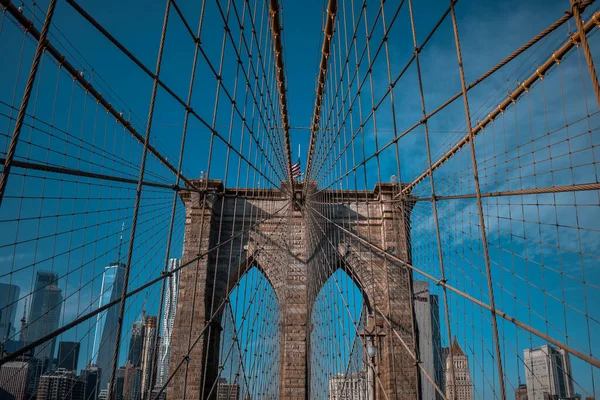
542	248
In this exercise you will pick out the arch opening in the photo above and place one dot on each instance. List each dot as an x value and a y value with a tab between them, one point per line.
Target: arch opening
338	316
249	346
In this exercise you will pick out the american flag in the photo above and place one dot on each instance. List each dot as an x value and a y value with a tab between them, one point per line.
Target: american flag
296	170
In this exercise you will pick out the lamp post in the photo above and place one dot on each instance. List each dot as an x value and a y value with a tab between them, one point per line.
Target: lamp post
372	353
372	334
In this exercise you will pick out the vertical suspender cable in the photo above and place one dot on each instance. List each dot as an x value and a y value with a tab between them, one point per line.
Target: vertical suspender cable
115	360
285	121
41	46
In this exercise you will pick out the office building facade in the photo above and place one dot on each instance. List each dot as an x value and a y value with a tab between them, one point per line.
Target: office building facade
227	391
136	343
9	294
15	380
61	384
91	378
68	355
548	373
521	392
149	354
168	319
132	382
456	358
44	317
105	336
427	316
349	387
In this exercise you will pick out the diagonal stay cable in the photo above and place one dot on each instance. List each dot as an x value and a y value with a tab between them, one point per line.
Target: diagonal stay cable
214	312
261	94
34	32
591	360
39	51
94	175
218	76
261	60
176	97
328	35
77	321
63	62
594	21
409	351
502	63
363	81
134	219
283	108
512	98
51	130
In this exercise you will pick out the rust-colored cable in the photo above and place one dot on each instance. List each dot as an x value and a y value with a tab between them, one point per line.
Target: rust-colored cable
41	46
512	97
279	65
328	34
576	4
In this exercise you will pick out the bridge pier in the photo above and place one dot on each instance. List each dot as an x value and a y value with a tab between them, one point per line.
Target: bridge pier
281	247
294	334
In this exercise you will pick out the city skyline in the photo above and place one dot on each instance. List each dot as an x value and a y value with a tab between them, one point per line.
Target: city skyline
444	221
62	362
426	308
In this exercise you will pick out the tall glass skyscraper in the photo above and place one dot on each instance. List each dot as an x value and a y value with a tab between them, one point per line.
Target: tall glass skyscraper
105	336
9	294
168	319
46	305
136	343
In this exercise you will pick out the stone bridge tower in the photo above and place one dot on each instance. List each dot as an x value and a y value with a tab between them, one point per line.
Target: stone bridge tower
285	239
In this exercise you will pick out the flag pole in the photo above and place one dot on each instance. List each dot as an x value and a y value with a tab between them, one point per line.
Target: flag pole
299	161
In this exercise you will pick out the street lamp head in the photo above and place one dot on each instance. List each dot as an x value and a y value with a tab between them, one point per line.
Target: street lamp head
371	350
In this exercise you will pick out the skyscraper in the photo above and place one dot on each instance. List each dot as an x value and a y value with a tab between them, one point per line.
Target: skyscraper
132	382
227	391
61	384
91	378
68	355
169	310
349	387
521	392
148	354
44	316
105	336
15	379
462	374
8	310
427	315
136	343
548	373
23	333
117	393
